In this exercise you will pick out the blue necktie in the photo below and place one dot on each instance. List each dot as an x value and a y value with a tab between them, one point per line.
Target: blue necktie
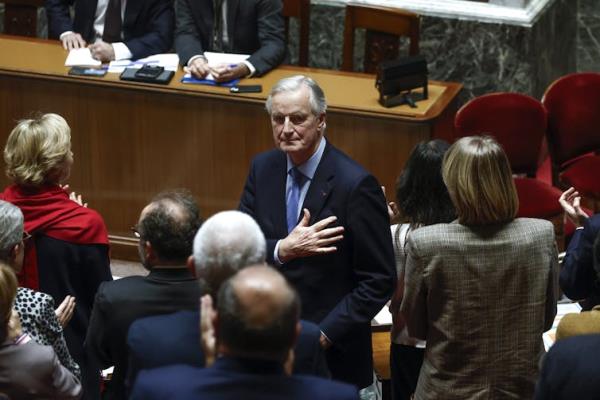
293	199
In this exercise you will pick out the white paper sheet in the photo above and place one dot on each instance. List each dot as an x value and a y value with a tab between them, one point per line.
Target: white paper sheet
549	337
81	58
169	61
383	317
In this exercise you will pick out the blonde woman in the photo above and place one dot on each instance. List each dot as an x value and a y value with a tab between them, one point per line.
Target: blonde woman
68	251
28	370
483	289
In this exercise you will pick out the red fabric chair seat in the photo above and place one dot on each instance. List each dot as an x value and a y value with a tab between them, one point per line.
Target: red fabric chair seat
537	199
584	175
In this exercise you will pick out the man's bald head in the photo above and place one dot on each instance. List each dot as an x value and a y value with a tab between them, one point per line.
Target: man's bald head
169	224
258	313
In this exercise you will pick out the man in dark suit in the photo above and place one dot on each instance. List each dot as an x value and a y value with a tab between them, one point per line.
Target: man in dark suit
570	370
253	27
115	29
166	230
256	325
578	278
227	242
339	255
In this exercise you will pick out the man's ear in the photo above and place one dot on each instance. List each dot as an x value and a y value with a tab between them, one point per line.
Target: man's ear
322	121
15	251
149	253
190	265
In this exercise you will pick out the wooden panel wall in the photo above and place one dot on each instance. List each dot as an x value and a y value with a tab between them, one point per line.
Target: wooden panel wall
131	144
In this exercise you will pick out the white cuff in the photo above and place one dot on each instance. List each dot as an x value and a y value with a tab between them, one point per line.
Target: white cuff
191	60
65	33
121	51
251	68
276	255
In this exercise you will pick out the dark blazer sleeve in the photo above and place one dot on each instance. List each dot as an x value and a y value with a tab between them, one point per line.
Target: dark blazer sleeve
97	341
153	30
247	206
271	34
577	276
545	388
59	17
187	37
309	355
372	258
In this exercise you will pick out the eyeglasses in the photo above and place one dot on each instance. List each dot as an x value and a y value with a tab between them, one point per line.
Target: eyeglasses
136	232
26	236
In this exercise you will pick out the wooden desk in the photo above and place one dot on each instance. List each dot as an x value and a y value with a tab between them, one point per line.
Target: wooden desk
381	342
133	140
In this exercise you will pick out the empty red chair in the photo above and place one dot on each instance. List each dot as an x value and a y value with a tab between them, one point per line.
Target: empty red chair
573	105
518	122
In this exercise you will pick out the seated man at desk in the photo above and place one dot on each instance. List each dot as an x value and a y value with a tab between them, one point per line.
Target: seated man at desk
115	29
253	27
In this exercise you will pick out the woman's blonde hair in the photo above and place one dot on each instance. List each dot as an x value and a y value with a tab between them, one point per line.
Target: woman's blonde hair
8	291
479	179
37	150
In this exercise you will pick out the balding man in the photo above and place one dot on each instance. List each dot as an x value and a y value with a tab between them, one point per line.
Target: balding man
256	326
166	230
227	242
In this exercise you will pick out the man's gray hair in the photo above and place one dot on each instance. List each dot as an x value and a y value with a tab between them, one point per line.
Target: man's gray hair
318	105
11	228
229	240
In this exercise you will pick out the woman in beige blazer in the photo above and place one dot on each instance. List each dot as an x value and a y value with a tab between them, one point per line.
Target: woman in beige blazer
483	289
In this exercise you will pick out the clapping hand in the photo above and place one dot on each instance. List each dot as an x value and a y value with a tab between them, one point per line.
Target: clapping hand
208	338
65	310
570	201
393	211
305	240
74	196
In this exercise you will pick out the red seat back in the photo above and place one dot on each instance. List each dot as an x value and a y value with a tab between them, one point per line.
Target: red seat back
573	104
517	121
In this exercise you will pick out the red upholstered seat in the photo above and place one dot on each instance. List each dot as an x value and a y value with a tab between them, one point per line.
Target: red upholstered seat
518	122
584	175
573	105
540	200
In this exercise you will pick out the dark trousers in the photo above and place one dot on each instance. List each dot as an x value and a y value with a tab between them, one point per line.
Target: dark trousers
405	364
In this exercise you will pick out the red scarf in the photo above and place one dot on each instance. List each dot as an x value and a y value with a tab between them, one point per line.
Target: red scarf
49	211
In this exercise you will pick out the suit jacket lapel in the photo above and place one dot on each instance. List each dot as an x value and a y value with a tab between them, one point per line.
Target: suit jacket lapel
232	11
275	190
130	15
321	186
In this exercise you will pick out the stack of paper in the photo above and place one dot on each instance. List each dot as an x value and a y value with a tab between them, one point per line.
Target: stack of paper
81	58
